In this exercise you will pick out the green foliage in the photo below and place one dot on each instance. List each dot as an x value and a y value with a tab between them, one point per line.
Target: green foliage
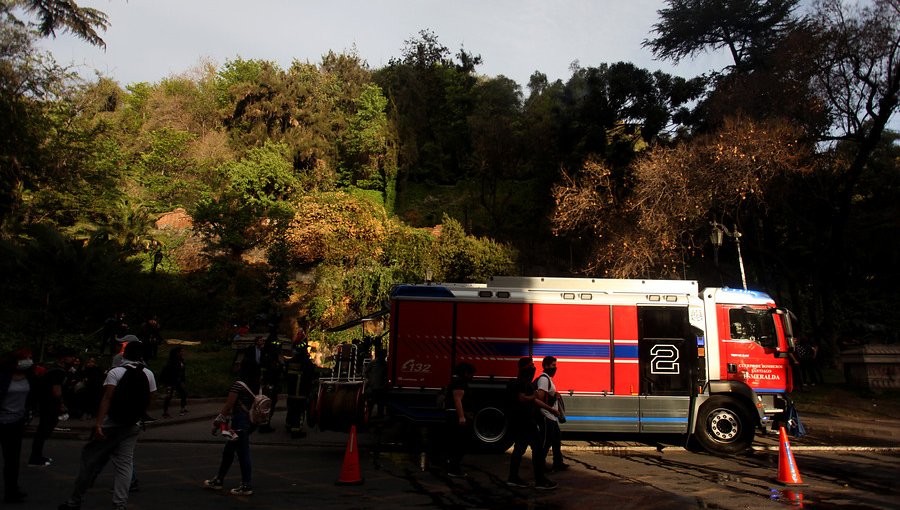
462	258
252	203
367	287
234	73
431	100
166	170
264	177
366	154
408	252
54	283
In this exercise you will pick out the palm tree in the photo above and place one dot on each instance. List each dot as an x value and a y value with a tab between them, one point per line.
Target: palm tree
63	15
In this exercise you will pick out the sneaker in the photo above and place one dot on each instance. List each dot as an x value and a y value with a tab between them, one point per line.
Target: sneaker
183	412
457	474
242	490
516	482
42	462
545	485
214	484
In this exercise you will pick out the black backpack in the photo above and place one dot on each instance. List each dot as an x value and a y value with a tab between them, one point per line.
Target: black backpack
131	396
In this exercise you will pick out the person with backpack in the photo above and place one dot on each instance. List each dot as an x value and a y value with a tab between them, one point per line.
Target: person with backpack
126	397
49	398
546	392
525	425
244	415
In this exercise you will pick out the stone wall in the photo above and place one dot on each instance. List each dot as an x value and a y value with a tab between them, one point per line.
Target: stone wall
875	367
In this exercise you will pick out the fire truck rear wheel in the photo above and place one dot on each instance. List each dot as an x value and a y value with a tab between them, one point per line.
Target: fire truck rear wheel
491	429
723	426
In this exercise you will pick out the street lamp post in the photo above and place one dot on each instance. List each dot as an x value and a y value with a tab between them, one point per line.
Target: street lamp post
717	236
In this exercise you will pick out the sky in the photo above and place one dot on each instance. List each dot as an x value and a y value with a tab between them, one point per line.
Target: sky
149	40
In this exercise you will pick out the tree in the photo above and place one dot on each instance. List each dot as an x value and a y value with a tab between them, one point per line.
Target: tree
495	125
254	202
55	15
678	190
463	258
34	105
431	98
53	282
747	28
367	155
859	79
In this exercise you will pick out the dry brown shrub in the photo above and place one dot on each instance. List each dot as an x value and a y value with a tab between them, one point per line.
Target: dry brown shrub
678	191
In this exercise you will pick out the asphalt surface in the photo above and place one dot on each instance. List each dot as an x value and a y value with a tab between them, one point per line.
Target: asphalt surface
824	432
843	467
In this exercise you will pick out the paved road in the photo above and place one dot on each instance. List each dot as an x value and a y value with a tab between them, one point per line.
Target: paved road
175	456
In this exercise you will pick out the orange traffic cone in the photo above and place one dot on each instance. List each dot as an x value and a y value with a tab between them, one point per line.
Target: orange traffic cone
788	474
350	474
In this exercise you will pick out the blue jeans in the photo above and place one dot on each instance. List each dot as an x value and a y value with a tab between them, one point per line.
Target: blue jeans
118	446
241	447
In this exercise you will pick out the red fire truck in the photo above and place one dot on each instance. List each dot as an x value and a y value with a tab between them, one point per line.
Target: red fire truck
634	356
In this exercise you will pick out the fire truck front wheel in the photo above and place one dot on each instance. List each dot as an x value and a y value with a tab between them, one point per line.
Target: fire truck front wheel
723	426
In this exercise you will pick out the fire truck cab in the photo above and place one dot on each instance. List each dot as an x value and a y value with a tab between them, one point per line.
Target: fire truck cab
633	356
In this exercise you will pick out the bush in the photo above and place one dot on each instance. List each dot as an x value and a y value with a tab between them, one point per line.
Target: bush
462	258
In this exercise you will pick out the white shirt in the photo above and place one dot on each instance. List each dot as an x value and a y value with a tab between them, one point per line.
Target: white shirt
115	375
545	382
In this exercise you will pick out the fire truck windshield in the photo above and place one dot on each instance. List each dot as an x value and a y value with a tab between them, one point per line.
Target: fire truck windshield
753	324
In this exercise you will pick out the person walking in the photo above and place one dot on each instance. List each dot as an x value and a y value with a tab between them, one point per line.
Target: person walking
126	397
173	378
546	392
16	381
458	420
49	397
151	333
237	409
271	375
525	428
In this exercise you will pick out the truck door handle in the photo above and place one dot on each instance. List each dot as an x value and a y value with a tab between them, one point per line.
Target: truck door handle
732	368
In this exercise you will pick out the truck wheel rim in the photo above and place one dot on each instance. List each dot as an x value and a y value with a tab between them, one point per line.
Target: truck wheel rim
490	425
724	425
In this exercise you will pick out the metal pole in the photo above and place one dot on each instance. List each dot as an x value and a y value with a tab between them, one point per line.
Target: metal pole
737	241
